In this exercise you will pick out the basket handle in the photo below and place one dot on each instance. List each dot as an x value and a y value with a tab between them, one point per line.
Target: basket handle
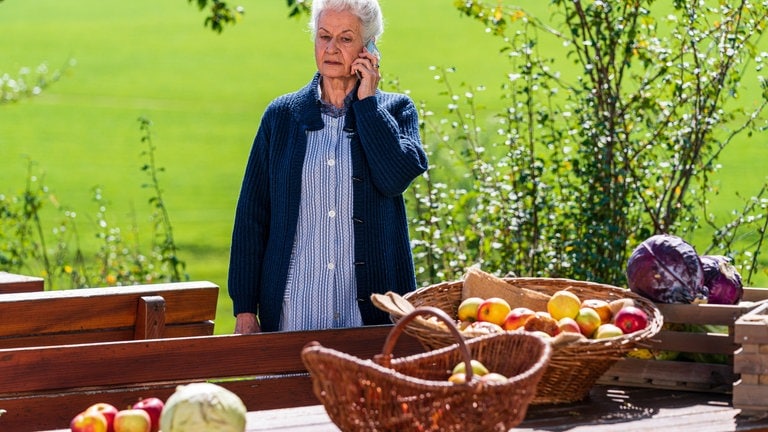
389	344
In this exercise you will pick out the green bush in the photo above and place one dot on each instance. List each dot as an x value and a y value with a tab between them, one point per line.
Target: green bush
583	167
28	245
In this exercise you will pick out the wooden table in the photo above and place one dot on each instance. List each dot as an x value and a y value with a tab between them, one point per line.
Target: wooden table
608	409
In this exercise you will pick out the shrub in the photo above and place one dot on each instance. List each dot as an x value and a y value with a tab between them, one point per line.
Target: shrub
583	167
28	246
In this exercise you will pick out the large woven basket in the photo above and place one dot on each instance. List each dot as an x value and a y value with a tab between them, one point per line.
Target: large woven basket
413	393
574	367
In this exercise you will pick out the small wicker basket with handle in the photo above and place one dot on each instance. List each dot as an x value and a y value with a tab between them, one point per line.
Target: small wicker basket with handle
413	393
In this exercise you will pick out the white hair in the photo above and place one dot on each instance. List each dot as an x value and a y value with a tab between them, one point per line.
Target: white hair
368	11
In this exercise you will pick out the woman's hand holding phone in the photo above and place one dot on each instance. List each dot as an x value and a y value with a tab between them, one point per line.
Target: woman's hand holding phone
367	69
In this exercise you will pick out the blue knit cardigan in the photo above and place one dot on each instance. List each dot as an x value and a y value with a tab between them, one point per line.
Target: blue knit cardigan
386	157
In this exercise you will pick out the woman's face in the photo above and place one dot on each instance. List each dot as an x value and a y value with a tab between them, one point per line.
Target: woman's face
338	41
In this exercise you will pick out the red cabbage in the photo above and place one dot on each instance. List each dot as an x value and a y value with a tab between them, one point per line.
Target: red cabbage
722	280
666	269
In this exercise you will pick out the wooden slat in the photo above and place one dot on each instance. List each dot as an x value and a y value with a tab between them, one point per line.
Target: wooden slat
123	363
673	375
15	283
71	310
710	343
754	363
204	328
703	313
754	294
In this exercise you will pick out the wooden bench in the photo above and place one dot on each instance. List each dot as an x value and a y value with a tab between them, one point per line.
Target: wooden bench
44	387
91	315
13	283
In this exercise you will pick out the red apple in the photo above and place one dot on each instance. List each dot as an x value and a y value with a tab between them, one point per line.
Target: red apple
132	420
630	319
517	317
493	310
89	421
153	406
108	411
567	324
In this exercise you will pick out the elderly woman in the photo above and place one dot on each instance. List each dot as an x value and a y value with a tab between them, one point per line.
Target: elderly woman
320	222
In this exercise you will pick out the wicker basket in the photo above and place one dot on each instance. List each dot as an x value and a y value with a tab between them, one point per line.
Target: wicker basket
413	393
574	367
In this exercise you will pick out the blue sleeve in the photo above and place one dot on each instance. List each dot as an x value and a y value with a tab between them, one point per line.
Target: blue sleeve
388	125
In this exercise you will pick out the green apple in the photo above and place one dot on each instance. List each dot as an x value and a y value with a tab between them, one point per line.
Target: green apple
132	420
468	309
607	331
478	368
588	320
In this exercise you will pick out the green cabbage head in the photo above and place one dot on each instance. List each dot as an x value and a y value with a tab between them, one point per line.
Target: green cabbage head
203	407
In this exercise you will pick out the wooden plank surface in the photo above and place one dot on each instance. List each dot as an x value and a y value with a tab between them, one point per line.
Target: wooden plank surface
608	409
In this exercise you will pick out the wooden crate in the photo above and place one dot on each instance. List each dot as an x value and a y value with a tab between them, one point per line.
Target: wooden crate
750	392
686	374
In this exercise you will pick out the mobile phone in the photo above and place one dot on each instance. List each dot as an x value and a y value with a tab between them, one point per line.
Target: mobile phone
371	47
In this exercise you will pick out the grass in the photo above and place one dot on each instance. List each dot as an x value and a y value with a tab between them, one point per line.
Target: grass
205	93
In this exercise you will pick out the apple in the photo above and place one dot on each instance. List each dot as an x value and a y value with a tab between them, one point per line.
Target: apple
542	321
493	310
468	309
108	411
631	319
89	421
588	320
563	304
132	420
478	368
517	317
458	378
153	406
602	307
541	334
493	377
607	330
568	325
484	327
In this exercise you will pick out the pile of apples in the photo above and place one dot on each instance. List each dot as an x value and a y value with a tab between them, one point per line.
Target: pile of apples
479	372
143	416
566	312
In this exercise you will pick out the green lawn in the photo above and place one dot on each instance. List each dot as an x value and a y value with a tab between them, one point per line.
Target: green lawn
205	93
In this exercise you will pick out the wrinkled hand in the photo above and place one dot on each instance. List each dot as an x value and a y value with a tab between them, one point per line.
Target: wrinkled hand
246	323
367	66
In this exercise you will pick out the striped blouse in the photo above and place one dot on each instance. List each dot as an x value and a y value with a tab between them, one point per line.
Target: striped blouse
321	291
